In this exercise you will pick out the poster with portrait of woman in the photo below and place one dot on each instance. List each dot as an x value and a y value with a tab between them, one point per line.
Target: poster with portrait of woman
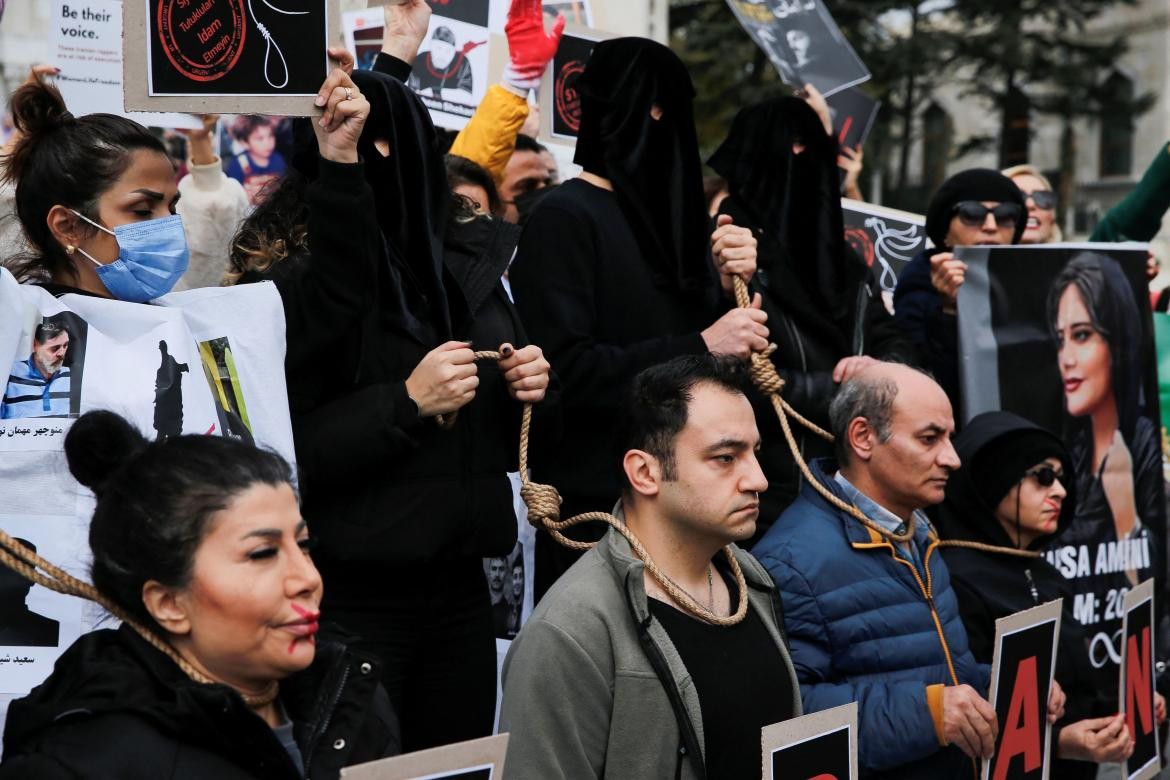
1062	335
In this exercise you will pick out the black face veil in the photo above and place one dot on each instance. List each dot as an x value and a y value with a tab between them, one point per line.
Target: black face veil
653	164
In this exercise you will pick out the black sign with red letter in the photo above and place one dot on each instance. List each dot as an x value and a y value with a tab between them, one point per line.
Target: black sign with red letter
1137	682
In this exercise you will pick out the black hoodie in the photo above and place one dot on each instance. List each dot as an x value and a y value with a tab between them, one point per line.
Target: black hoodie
115	707
991	586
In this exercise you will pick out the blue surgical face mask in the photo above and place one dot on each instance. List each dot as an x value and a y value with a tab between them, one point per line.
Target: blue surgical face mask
152	255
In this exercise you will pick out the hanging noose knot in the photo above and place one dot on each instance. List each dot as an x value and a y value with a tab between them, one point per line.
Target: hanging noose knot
543	502
764	374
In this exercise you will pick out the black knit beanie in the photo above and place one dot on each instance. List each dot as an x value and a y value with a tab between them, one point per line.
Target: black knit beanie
982	184
1001	464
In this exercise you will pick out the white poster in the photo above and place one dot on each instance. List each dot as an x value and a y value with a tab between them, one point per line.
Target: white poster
207	361
86	44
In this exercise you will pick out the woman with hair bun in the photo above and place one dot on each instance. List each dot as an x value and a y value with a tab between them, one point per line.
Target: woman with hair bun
199	542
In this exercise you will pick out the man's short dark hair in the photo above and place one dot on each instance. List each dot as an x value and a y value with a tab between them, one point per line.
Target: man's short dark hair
656	407
526	143
47	331
461	170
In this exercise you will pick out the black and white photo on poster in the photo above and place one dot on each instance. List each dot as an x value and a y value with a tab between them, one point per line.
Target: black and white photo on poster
1022	669
507	579
818	746
1062	336
1136	686
803	43
886	239
235	47
46	377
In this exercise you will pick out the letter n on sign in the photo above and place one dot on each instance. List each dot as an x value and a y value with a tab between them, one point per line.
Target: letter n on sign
1136	688
1021	678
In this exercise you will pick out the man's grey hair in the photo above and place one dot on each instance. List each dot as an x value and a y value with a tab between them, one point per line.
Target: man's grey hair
861	396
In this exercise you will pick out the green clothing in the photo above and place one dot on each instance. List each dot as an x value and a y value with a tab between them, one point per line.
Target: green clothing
1138	217
593	685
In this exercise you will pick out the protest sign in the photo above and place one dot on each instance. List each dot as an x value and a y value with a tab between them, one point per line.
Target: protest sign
803	43
560	105
85	43
477	759
886	239
207	361
450	73
822	746
1022	666
1136	687
226	56
853	114
1061	335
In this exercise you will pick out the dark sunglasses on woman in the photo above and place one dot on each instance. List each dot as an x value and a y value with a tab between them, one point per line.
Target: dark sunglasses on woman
972	213
1044	199
1045	476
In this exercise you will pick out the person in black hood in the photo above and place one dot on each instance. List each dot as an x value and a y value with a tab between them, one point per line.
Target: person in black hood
405	509
614	269
1015	490
975	207
780	162
220	668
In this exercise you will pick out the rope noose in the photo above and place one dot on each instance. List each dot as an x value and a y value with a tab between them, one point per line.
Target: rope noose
271	44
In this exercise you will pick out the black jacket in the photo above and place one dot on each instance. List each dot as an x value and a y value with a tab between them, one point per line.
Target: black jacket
809	344
115	707
991	586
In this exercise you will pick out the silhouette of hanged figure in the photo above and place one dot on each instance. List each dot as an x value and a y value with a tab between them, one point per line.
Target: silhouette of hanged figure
20	626
168	395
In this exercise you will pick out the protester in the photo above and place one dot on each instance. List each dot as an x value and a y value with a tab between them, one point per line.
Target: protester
1009	495
1040	199
613	675
198	540
780	162
471	181
614	269
872	618
405	508
974	208
526	173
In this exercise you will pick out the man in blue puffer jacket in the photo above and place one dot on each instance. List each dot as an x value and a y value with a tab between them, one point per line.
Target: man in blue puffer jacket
868	606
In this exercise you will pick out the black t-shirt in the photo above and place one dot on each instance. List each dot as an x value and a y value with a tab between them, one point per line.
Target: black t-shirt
741	682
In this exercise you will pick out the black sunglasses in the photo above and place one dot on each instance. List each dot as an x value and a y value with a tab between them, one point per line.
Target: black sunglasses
1044	199
1045	476
972	213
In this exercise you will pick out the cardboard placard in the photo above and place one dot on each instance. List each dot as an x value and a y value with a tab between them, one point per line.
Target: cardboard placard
560	106
226	56
477	759
803	42
451	72
886	239
85	43
1022	667
822	745
1136	687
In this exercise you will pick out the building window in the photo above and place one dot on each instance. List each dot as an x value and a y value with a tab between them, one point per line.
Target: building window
936	146
1117	127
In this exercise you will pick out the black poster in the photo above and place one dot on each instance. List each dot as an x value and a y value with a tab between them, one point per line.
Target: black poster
567	66
236	47
853	114
1062	336
803	42
1025	666
886	239
823	757
1137	684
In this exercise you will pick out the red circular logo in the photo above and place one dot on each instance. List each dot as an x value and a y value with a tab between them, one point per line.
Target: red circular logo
568	102
203	39
861	243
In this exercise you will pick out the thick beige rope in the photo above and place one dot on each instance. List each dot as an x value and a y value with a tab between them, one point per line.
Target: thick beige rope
25	562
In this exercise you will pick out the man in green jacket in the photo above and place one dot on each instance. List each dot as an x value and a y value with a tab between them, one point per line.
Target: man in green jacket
628	670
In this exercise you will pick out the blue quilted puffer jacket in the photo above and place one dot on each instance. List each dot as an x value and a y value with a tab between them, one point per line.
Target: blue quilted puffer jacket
866	625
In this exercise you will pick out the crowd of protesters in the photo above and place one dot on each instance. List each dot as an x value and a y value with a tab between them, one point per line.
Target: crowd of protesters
285	627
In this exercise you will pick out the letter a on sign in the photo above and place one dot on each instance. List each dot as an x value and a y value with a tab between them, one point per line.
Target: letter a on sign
1136	689
1021	678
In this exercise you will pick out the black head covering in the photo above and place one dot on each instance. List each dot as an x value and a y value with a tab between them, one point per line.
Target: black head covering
653	164
794	198
973	184
996	449
412	199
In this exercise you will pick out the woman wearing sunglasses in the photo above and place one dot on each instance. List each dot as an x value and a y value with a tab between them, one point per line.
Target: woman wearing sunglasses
1014	491
1040	198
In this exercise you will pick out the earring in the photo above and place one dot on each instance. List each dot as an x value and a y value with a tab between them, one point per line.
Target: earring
70	249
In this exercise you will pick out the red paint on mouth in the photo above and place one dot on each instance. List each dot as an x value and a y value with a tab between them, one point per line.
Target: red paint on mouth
308	614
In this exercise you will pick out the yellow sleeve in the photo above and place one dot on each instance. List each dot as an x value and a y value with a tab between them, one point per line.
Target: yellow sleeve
934	700
489	138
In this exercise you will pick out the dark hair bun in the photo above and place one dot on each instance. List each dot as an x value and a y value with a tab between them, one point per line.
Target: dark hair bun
98	444
37	109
